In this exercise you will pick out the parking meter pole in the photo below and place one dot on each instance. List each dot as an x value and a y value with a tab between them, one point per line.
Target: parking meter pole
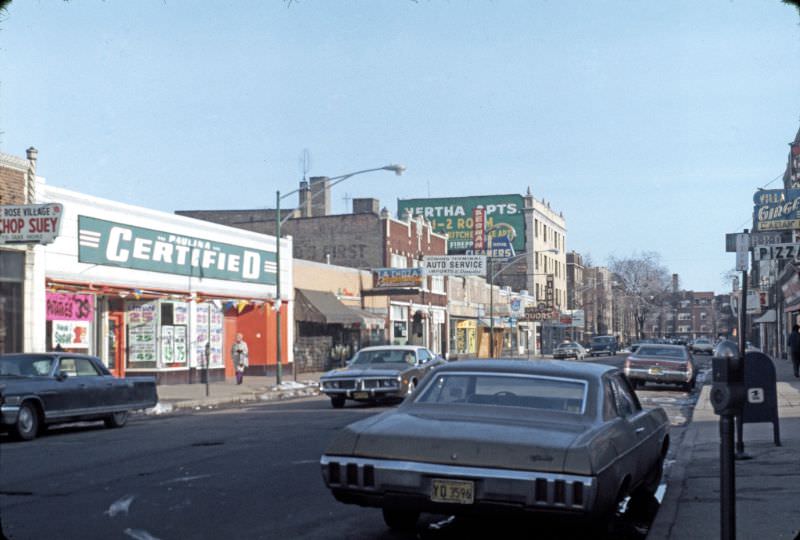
727	479
491	309
208	360
740	454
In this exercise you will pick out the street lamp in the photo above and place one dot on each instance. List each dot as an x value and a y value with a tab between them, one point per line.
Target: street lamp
493	275
397	169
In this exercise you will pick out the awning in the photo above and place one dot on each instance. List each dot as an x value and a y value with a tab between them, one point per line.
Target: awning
324	308
769	317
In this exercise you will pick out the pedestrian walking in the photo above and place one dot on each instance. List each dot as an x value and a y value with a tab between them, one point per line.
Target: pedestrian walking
794	349
239	357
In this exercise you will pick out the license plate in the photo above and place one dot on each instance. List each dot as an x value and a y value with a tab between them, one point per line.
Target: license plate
656	371
360	395
452	491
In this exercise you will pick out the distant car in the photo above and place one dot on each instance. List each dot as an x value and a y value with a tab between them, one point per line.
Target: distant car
603	345
569	350
379	373
39	389
549	437
661	363
702	345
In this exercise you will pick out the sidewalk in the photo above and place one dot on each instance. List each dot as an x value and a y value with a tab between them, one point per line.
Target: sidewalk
767	486
174	397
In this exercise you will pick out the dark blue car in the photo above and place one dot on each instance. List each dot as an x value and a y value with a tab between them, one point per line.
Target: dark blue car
603	345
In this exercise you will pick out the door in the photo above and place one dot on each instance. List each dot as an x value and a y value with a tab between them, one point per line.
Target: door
115	344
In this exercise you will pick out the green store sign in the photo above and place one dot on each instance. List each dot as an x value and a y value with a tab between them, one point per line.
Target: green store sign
504	218
125	246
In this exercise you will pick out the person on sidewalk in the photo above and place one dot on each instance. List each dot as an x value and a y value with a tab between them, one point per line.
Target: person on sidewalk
239	357
794	349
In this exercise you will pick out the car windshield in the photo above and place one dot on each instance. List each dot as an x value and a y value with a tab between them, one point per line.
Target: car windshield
602	341
27	365
676	353
384	356
491	390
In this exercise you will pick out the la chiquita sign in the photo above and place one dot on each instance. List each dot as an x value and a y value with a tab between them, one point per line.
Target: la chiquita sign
454	265
125	246
30	223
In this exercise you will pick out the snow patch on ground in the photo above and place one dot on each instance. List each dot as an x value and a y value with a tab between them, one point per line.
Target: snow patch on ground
160	408
120	506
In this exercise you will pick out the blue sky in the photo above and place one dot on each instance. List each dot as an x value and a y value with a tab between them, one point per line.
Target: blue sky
648	124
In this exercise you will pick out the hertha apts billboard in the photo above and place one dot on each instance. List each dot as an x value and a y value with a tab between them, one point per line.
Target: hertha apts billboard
453	215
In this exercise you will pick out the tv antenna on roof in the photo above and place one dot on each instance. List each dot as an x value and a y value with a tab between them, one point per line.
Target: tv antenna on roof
305	163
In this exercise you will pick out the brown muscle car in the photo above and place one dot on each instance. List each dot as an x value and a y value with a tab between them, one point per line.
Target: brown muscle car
532	436
387	372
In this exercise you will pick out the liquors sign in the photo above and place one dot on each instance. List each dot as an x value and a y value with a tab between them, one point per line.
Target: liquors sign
116	244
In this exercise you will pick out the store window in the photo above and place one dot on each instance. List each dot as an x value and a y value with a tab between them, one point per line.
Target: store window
399	318
11	281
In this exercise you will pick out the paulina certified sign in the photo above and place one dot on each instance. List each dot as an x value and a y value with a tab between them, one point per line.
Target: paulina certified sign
30	223
116	244
776	209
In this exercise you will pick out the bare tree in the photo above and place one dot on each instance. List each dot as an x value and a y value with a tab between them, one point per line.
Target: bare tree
645	283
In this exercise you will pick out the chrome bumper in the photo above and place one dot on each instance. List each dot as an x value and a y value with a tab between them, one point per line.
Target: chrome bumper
666	375
9	414
377	478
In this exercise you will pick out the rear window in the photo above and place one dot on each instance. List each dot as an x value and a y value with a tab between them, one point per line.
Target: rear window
602	340
513	390
661	352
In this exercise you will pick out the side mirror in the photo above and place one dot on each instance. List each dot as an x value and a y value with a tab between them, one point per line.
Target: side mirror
62	376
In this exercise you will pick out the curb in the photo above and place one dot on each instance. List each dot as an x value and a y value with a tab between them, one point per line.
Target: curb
173	406
661	528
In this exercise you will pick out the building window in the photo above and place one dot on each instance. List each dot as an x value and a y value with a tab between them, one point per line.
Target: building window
399	261
437	284
12	274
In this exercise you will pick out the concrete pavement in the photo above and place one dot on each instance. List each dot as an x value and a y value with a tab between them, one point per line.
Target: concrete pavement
767	486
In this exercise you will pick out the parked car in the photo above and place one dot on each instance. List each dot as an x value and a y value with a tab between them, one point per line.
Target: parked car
529	436
569	350
702	345
603	345
40	389
672	364
379	373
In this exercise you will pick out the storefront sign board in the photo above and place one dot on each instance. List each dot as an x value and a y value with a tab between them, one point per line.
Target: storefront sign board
30	223
115	244
454	265
69	307
398	277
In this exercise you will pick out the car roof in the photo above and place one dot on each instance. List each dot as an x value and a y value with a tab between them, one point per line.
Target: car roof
552	368
392	347
49	354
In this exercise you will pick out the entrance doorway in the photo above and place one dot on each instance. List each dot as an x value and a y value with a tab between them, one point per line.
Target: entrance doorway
115	344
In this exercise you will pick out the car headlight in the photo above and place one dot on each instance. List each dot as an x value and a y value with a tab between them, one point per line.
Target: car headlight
388	383
330	384
11	400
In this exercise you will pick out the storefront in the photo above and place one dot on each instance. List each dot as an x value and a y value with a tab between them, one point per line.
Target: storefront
156	293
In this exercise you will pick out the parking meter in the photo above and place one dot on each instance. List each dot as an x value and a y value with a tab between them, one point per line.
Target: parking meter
727	388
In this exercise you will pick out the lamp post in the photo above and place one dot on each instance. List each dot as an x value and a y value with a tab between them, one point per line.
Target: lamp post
493	275
397	169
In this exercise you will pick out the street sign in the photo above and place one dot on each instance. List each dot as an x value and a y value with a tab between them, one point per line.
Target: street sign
454	265
30	223
777	252
742	252
757	239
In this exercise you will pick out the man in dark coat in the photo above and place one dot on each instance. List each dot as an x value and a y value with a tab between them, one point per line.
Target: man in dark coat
794	349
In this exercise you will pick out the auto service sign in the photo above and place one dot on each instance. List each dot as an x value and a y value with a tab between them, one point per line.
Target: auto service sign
454	265
30	223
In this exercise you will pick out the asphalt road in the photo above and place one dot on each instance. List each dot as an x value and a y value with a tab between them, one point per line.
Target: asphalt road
245	472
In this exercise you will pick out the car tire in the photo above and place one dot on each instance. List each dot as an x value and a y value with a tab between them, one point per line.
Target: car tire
27	425
651	482
337	402
116	420
400	519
